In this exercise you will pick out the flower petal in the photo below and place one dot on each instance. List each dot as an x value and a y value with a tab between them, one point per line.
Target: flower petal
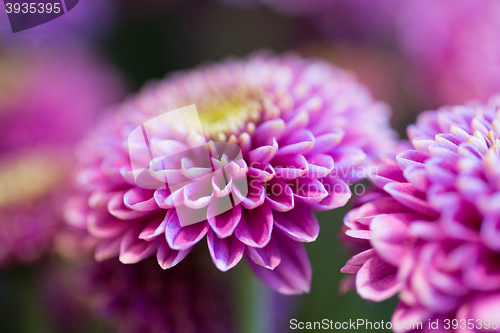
320	165
223	223
117	208
140	199
293	275
406	194
289	167
267	131
255	226
225	252
133	249
182	238
279	195
354	264
269	256
308	190
102	225
255	196
168	258
154	229
391	236
377	280
338	191
300	224
263	154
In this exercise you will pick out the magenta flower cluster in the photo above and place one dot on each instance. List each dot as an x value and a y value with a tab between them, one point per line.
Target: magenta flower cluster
303	127
430	231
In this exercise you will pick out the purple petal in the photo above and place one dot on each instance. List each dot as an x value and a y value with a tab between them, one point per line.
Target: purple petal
376	280
391	237
354	264
75	211
482	271
269	256
133	249
339	194
346	157
166	200
411	158
407	314
223	224
293	275
320	165
255	226
308	190
140	199
168	258
298	143
263	154
267	131
117	208
182	238
325	143
102	225
490	232
300	224
296	123
406	194
154	229
225	252
417	176
261	173
289	167
99	199
198	194
221	188
483	307
279	196
255	196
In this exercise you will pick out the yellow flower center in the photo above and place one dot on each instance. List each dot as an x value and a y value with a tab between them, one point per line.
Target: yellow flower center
222	116
11	82
28	177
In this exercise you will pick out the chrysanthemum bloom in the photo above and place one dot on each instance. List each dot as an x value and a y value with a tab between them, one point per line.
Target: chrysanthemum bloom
144	298
431	230
453	47
46	102
304	129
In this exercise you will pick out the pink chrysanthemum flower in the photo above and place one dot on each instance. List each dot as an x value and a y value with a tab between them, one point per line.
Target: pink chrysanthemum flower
46	103
453	47
431	231
305	130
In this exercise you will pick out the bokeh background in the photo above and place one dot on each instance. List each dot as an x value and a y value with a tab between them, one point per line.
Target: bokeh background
415	56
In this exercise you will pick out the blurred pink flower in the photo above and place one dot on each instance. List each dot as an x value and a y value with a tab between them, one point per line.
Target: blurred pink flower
431	230
305	130
453	46
46	102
